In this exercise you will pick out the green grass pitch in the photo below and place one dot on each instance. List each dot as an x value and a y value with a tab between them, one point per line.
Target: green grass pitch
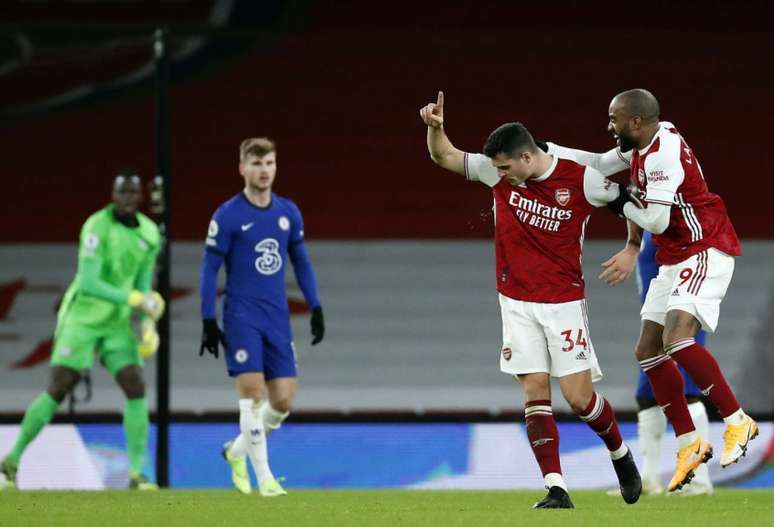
169	508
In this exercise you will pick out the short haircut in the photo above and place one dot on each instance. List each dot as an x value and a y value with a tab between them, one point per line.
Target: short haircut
511	139
126	175
639	102
256	146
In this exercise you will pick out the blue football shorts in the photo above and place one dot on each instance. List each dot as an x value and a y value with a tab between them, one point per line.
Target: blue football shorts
252	348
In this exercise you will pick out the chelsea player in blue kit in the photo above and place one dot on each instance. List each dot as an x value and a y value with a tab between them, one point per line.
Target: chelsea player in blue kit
651	421
255	233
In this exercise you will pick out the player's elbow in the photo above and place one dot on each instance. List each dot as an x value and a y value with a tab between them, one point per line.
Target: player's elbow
659	226
655	225
437	158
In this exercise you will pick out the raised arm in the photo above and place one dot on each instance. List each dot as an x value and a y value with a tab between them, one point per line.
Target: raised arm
442	151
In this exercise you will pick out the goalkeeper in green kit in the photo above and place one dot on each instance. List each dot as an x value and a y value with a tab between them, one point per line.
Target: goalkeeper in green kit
116	260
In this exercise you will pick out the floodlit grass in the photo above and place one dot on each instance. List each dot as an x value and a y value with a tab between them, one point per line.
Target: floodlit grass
393	508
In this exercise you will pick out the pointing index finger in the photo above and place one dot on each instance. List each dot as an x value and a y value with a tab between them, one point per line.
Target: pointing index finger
439	102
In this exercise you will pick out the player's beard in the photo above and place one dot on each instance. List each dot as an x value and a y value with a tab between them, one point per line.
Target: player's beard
625	142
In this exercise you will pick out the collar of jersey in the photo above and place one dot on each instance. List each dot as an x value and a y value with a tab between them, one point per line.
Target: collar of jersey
114	217
663	125
545	175
267	207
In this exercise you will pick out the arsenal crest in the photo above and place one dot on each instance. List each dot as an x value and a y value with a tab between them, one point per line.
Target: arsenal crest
562	196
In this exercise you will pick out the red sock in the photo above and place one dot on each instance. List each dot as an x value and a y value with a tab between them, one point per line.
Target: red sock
543	435
669	389
600	418
704	370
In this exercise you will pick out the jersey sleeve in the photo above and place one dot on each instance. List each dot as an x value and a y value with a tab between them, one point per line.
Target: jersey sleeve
608	163
92	240
664	174
219	232
208	283
296	225
91	257
151	235
599	190
302	264
478	167
144	280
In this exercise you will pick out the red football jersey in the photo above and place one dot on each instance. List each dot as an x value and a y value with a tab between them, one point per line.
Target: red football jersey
669	173
539	228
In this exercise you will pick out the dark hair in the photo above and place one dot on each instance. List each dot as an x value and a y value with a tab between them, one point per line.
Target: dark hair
126	175
509	139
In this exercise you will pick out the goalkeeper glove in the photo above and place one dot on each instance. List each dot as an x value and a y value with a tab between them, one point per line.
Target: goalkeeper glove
149	303
211	336
149	339
624	196
318	325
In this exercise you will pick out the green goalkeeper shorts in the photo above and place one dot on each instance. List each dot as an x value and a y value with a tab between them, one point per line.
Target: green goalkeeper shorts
75	346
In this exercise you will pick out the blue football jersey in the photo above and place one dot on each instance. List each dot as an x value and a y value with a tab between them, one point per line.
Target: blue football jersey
254	242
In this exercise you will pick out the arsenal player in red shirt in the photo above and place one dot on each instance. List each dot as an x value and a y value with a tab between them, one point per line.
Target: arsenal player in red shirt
695	249
542	206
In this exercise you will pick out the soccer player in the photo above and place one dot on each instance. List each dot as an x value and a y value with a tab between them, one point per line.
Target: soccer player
542	204
651	421
696	245
116	260
254	233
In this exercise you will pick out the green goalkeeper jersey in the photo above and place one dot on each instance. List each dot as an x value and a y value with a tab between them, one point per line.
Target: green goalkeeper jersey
113	260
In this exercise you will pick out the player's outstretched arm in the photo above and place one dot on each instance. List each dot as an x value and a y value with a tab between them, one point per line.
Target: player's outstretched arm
442	151
608	163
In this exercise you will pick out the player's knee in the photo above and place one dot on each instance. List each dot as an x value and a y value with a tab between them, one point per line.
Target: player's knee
62	381
535	387
282	404
679	325
578	402
647	348
131	382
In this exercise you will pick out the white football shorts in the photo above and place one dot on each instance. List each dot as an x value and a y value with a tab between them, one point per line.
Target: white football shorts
546	338
696	285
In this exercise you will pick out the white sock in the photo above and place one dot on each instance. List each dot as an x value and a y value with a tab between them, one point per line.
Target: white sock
701	422
686	439
619	452
735	418
651	424
254	437
554	479
238	446
271	418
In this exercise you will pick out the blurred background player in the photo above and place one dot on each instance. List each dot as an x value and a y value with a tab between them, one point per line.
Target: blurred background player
254	233
696	245
116	260
651	421
542	206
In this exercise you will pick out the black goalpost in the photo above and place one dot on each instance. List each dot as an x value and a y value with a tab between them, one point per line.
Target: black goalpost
162	184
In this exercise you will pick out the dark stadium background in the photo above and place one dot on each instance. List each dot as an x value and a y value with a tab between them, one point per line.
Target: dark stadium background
339	86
